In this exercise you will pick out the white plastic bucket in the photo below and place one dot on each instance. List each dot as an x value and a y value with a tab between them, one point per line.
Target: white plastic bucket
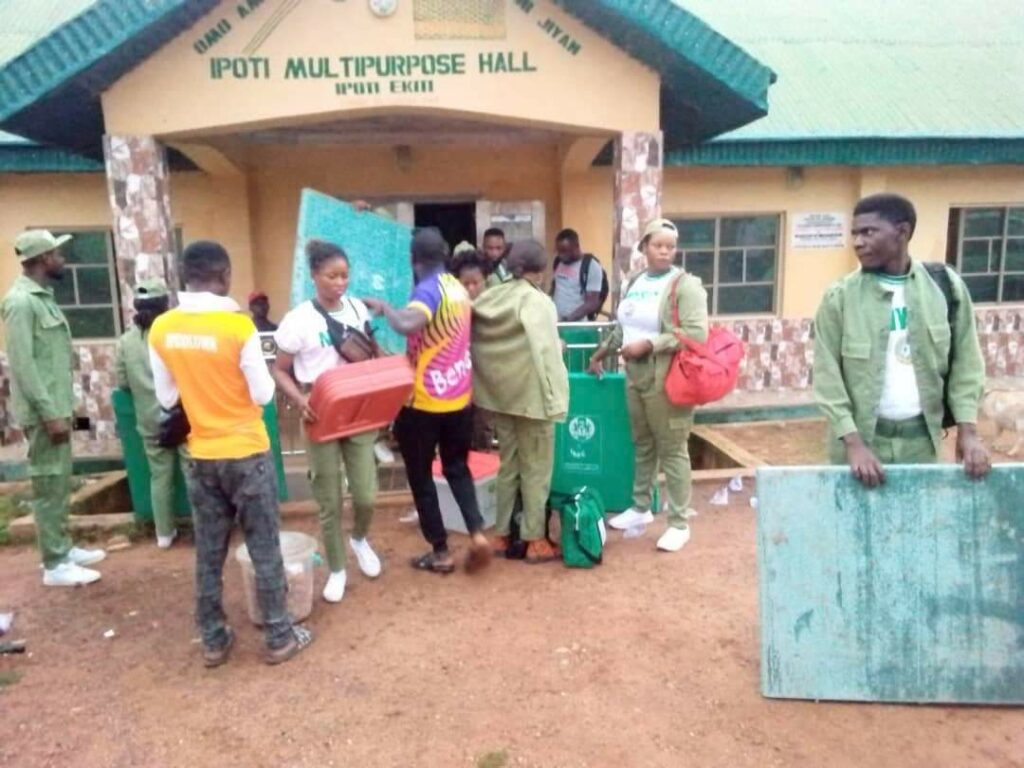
297	550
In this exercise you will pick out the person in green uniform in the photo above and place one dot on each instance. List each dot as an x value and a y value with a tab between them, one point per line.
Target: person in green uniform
519	376
885	393
647	337
39	354
495	249
135	374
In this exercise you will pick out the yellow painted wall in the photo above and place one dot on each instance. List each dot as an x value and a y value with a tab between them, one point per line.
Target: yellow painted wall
805	273
278	174
203	206
175	93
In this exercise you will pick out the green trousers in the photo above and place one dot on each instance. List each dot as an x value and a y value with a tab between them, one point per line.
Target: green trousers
328	478
163	463
527	461
661	435
897	442
49	467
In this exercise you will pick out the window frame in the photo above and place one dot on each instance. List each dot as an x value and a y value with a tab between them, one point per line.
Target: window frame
1002	238
716	249
111	265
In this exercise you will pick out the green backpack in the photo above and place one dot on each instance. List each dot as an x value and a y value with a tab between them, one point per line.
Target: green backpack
583	532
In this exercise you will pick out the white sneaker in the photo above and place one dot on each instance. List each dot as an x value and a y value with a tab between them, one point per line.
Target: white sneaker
369	563
631	518
673	539
84	557
164	542
383	453
67	574
334	590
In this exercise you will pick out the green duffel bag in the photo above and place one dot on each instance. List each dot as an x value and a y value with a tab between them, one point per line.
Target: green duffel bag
583	532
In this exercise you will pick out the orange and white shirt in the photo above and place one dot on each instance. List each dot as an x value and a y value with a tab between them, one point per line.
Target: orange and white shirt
207	353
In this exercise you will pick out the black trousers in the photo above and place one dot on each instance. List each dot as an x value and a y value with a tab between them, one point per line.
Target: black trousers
420	434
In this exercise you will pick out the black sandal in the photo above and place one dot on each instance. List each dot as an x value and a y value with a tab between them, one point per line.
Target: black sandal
431	562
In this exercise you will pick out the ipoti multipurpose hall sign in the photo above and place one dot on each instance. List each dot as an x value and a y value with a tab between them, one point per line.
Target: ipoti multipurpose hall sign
394	71
818	230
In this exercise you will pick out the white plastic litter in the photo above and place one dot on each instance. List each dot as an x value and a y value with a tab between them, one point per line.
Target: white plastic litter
736	484
721	497
110	634
753	501
634	532
6	620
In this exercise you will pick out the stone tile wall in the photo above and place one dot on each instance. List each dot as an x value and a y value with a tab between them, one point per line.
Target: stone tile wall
780	358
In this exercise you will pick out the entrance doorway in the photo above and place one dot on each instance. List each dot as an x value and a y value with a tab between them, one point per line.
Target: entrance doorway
455	221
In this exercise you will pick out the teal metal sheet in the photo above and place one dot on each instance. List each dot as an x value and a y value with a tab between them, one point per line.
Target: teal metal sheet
378	252
912	592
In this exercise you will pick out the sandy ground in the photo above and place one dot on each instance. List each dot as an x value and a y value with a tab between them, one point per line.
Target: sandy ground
649	660
802	442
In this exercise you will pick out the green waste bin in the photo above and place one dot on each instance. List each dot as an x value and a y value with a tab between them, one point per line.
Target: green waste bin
137	466
577	360
594	446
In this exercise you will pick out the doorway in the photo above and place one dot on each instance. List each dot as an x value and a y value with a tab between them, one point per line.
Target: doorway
455	221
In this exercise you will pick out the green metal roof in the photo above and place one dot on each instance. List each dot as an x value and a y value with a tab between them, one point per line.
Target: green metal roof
50	83
945	74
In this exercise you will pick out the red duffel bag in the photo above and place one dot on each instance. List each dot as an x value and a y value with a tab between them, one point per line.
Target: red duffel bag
702	373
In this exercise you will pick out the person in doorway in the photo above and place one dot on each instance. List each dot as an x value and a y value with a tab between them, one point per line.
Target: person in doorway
647	337
206	355
42	401
438	322
471	268
135	374
495	248
579	282
885	395
519	376
305	351
259	309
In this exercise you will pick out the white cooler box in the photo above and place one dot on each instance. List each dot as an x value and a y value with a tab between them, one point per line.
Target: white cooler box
484	468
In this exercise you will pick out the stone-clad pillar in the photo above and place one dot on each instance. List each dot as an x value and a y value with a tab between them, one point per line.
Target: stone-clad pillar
638	183
138	185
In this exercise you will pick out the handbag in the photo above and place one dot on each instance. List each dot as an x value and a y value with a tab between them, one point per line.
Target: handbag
173	427
702	373
354	345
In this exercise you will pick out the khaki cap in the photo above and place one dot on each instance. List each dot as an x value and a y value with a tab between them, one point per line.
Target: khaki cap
36	242
154	288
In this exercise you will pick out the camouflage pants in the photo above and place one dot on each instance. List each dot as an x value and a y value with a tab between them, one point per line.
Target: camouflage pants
220	493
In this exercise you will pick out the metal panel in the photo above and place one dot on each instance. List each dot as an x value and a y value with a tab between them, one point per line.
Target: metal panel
378	252
911	592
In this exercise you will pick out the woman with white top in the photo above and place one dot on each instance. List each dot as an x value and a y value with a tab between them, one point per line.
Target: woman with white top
306	350
645	335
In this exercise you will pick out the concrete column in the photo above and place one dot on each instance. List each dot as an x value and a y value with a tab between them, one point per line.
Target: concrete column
639	173
138	182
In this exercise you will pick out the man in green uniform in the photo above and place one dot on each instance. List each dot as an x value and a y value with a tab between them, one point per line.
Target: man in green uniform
495	249
134	374
892	354
39	354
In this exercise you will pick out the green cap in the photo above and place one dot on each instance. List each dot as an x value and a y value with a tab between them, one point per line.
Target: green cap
36	242
154	288
659	225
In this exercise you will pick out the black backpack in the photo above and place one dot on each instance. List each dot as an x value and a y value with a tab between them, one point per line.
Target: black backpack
584	272
940	276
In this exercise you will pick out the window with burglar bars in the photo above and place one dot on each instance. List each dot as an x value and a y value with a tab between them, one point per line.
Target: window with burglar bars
88	294
736	257
986	245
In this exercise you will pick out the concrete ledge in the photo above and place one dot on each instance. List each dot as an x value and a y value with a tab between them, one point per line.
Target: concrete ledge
22	530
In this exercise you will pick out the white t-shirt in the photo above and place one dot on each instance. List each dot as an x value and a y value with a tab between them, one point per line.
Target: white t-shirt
638	311
303	333
900	396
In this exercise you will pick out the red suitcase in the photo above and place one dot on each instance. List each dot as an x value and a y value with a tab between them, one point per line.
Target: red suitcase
357	397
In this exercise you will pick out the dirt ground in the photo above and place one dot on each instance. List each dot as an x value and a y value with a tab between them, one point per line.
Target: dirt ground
649	660
802	442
